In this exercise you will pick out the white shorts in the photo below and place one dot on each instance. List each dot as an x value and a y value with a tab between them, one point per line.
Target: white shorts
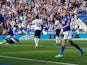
67	35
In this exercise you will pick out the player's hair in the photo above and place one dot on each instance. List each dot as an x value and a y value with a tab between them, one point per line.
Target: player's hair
37	17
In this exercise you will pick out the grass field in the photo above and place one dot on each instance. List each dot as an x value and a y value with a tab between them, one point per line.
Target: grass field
27	54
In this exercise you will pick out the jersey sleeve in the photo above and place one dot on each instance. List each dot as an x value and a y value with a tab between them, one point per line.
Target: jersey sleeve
41	22
57	23
33	22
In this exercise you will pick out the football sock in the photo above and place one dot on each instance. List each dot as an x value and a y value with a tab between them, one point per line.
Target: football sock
57	39
75	45
17	40
62	49
36	41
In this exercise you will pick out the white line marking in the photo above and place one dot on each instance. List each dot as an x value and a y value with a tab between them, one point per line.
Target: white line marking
34	60
72	39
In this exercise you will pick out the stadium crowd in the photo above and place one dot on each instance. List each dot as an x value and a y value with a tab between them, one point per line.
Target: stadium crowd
21	13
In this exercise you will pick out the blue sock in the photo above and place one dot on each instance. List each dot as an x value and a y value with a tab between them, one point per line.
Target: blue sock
62	49
17	40
78	48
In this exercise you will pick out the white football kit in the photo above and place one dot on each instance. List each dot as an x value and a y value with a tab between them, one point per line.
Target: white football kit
38	28
37	24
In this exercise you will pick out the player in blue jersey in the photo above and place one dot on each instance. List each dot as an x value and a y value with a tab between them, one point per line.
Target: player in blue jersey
10	38
67	34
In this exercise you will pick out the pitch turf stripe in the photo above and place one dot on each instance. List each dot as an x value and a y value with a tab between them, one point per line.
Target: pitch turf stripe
37	47
25	52
34	60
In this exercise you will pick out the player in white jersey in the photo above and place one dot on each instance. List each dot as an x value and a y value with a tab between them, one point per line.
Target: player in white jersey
38	24
57	26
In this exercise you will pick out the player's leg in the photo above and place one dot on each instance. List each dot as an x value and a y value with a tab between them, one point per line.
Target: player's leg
10	41
3	42
57	37
36	38
76	46
63	45
14	39
39	34
62	48
57	40
6	39
0	42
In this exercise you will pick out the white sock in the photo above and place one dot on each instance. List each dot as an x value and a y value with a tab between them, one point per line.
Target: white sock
36	41
57	39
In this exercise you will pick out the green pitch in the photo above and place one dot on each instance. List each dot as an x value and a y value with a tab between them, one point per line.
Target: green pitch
27	54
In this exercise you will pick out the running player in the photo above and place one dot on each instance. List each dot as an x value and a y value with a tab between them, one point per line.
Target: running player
67	34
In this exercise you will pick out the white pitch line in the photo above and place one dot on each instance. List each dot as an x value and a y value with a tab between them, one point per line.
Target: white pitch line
72	39
34	60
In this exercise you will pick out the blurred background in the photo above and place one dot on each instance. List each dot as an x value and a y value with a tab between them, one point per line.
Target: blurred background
20	14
